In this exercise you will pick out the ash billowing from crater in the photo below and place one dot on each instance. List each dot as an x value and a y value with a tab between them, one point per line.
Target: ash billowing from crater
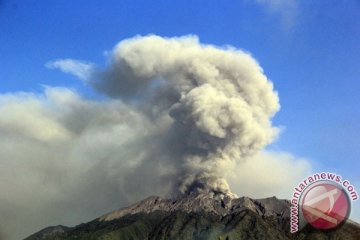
214	104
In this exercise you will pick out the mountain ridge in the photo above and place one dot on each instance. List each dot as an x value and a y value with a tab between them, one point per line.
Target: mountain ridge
220	204
196	216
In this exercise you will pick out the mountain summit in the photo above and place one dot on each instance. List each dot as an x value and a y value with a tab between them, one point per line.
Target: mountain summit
218	204
196	216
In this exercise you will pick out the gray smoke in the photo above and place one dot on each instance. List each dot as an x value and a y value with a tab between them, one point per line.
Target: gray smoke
180	117
65	159
217	103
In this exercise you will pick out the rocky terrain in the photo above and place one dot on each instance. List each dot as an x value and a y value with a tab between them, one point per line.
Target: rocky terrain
196	216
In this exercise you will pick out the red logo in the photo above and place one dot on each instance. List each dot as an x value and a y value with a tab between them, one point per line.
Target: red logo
325	206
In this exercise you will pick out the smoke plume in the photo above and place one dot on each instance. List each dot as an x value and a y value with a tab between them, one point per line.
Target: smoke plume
175	117
217	103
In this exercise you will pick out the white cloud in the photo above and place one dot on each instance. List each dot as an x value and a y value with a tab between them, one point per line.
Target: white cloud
269	173
82	70
287	10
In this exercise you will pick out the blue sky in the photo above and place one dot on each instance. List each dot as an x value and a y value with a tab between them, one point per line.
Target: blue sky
309	49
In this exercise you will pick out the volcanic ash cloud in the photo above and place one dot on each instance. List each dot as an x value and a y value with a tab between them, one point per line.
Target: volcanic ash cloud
215	104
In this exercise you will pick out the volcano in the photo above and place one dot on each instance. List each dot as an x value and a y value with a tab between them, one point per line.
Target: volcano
197	216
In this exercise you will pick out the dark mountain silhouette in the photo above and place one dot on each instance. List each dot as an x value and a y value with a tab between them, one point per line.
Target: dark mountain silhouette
197	216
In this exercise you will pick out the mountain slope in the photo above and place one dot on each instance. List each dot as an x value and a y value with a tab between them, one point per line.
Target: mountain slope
201	216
